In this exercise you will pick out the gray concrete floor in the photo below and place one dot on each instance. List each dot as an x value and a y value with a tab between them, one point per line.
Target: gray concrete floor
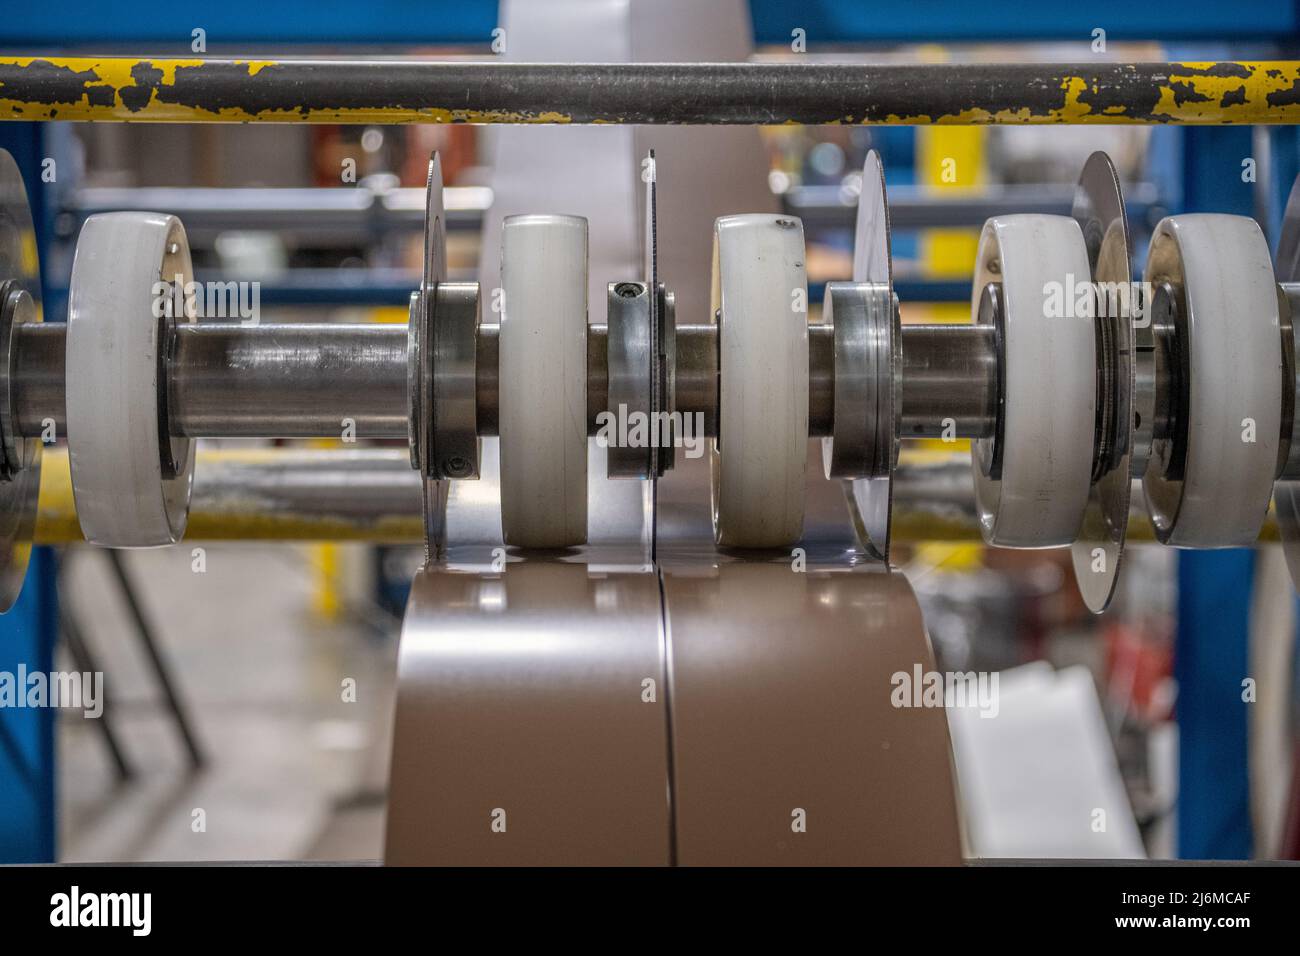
294	772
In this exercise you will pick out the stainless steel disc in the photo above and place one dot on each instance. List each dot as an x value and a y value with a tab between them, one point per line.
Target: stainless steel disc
435	271
1286	494
20	276
630	345
650	256
1099	550
872	498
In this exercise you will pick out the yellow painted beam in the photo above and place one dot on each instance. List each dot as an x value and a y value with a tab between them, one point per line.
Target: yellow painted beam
163	90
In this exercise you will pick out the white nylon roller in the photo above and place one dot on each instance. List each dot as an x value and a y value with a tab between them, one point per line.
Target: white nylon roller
115	332
1049	382
1234	352
760	296
543	373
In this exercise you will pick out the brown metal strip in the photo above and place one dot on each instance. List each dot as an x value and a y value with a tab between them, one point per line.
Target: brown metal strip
788	749
525	733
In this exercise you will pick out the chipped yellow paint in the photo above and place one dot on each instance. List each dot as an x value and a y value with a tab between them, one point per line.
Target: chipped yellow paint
116	73
1202	98
1189	95
1255	88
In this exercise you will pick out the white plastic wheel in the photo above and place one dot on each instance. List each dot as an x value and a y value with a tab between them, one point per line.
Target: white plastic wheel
1230	321
115	300
760	296
1049	382
543	373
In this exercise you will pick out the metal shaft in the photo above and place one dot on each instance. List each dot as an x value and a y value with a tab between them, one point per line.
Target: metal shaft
231	381
277	381
288	381
291	381
950	375
359	91
312	381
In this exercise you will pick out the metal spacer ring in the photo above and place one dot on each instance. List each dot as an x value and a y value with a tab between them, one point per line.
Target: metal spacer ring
452	316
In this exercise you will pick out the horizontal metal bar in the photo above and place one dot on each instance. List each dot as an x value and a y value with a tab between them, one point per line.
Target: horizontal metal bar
373	494
230	381
288	381
369	286
320	215
950	381
928	207
325	215
227	380
391	91
273	494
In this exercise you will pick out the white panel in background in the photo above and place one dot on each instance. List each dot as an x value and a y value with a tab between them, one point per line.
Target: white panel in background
594	171
589	171
1033	778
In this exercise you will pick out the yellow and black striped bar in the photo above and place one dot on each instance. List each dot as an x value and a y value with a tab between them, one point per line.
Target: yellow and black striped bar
126	89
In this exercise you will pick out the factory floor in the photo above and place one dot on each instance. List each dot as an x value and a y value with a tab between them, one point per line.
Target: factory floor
293	770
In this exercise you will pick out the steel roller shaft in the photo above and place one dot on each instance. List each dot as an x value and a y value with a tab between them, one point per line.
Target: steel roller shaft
227	380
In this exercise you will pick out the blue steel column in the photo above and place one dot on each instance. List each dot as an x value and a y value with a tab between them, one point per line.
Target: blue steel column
1211	654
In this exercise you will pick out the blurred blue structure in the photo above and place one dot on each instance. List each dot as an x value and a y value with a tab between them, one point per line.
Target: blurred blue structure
163	28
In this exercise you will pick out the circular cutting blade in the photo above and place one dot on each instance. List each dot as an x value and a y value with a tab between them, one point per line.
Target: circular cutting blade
1099	211
658	400
1286	494
435	271
19	268
872	498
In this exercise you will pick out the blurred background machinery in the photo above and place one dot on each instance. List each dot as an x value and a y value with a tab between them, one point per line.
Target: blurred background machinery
230	665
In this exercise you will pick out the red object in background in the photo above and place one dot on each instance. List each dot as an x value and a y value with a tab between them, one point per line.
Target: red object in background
1140	657
325	145
457	144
